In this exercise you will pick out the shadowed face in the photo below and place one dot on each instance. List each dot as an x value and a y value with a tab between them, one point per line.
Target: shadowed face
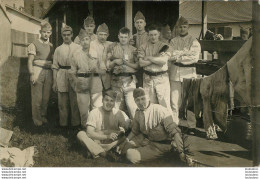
183	29
67	36
142	102
102	37
89	28
154	36
108	103
85	42
123	38
140	25
45	34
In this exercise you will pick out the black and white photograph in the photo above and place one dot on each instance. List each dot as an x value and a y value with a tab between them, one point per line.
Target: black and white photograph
129	83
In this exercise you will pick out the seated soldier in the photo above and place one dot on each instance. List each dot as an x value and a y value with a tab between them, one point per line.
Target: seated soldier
104	127
154	133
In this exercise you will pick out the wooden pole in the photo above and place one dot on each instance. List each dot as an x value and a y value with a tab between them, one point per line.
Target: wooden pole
204	24
129	15
255	94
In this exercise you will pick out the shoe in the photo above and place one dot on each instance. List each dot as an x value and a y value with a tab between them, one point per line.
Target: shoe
112	156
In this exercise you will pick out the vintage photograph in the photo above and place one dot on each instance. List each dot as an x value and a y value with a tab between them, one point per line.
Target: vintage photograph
129	83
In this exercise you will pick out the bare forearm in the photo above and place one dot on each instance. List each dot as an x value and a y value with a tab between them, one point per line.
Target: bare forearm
30	65
97	135
55	75
159	60
132	65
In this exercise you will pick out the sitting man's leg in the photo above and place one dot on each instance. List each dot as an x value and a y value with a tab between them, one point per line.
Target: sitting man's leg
146	153
94	148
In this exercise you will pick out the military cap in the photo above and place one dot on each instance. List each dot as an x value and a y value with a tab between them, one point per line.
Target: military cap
82	34
138	92
138	16
66	28
89	20
110	93
45	25
103	28
182	21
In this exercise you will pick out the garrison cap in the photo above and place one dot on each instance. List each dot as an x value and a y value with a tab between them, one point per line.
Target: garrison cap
182	21
103	28
82	34
138	92
66	28
110	93
89	20
138	16
45	25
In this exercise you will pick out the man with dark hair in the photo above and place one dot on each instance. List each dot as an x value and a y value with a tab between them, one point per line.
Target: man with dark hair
67	98
123	64
89	27
153	132
39	65
153	57
104	125
166	34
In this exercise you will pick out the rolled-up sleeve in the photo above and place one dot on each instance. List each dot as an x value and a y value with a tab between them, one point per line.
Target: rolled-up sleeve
91	121
31	49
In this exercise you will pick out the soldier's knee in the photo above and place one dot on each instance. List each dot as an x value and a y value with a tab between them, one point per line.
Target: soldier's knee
133	156
81	135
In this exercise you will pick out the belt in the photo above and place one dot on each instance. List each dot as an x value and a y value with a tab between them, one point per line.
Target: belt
43	67
64	67
154	73
182	65
123	74
86	75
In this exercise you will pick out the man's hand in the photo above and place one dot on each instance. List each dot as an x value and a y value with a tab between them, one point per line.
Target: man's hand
32	79
54	87
144	63
112	136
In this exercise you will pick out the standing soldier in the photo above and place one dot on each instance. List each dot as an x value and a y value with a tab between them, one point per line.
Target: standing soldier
123	65
98	49
153	57
89	26
186	50
86	72
61	83
139	39
39	66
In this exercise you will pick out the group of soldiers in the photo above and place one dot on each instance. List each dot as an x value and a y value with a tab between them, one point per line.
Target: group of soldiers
110	88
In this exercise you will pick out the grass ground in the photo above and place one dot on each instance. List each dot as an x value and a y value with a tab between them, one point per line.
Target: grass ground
57	147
